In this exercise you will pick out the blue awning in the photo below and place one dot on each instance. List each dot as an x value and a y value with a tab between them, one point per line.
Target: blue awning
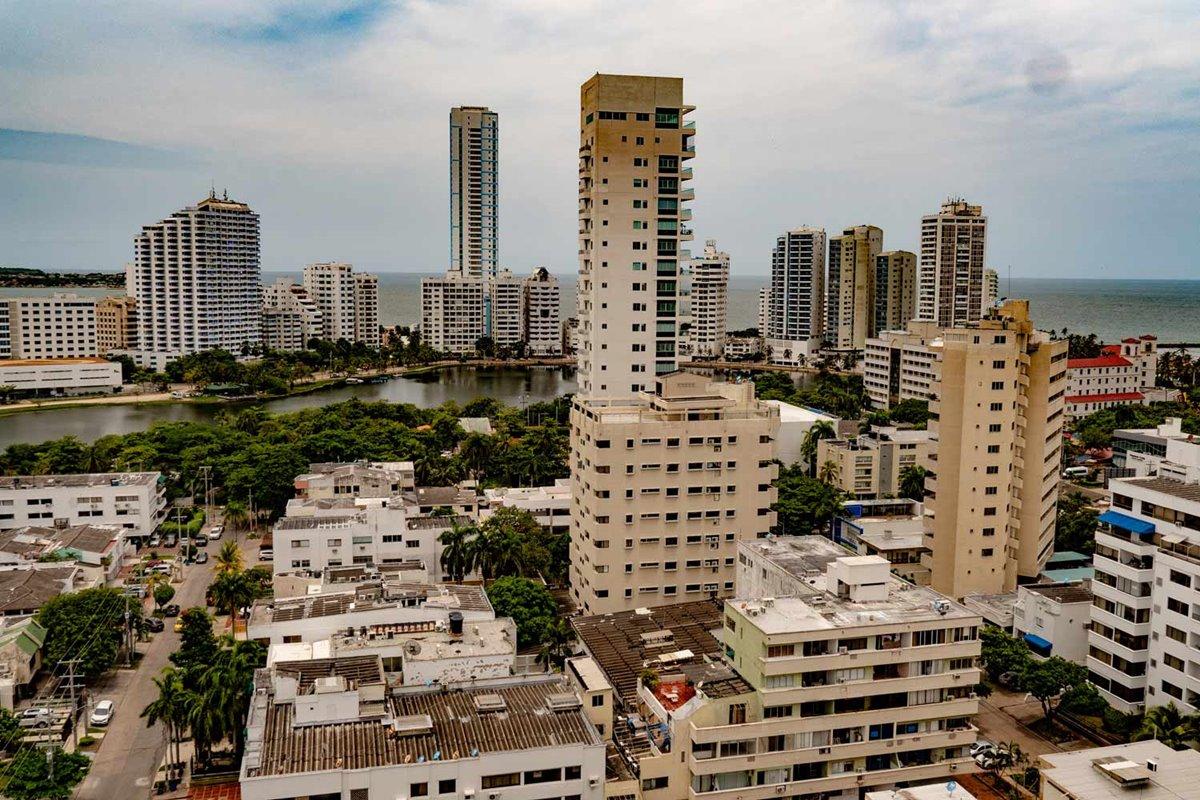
1128	523
1038	643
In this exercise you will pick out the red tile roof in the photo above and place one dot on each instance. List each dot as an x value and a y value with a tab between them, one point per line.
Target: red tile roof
1111	349
1149	337
1101	361
1131	340
1115	397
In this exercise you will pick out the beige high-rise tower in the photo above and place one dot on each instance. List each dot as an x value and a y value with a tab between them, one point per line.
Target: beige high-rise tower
998	406
633	142
851	287
950	281
895	290
474	191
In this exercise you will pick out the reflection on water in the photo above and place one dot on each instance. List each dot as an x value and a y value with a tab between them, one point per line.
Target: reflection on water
461	384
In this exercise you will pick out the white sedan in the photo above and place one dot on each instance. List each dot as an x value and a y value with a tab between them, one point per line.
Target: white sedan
102	714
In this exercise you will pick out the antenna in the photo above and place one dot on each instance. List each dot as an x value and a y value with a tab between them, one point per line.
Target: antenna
1010	294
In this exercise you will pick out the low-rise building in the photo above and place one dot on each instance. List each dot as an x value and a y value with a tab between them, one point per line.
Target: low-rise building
331	480
871	466
24	591
1147	770
58	326
101	546
135	501
21	642
1164	449
549	505
738	347
892	529
60	377
1053	619
794	424
1116	377
333	728
949	790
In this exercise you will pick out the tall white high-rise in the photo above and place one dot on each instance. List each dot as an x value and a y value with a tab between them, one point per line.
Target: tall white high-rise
474	190
366	309
633	142
710	299
541	303
950	280
348	301
796	311
195	277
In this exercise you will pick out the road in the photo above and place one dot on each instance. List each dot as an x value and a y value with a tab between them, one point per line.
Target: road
130	751
1000	717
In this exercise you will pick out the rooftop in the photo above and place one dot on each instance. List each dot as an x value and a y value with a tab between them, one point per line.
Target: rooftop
387	595
1061	592
424	725
802	414
85	479
23	590
441	496
1099	361
891	533
51	362
1120	772
1184	491
930	791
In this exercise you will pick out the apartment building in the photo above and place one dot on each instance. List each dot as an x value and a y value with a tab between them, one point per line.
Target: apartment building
710	300
549	505
870	466
991	287
850	306
62	325
1114	378
541	301
898	364
992	491
503	313
116	324
452	317
764	309
1148	770
950	282
356	479
474	191
334	728
195	277
60	376
135	501
796	310
664	485
1054	619
366	309
291	318
891	529
633	195
1145	626
895	291
348	302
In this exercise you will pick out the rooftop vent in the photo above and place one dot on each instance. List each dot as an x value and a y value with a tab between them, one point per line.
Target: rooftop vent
329	685
412	725
490	703
565	701
676	657
1122	771
664	636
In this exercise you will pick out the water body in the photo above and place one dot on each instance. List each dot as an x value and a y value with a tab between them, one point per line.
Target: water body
460	384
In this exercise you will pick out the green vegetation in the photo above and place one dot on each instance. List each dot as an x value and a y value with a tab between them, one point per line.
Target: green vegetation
912	412
805	505
835	393
256	456
1179	370
163	593
1080	346
912	482
37	775
1075	529
87	625
1095	430
1170	726
528	603
509	542
195	521
23	277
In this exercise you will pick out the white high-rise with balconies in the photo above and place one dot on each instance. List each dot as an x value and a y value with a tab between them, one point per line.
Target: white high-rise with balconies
950	277
195	276
540	308
474	191
710	301
796	307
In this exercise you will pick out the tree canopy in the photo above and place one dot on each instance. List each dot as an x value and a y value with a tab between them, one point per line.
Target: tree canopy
87	625
528	603
805	505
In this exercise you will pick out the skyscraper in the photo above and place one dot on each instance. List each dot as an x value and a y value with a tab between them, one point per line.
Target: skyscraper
709	301
195	277
991	287
895	290
997	402
950	279
796	310
851	287
632	216
474	191
540	308
348	300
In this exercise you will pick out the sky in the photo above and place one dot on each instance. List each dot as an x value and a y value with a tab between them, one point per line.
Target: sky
1075	124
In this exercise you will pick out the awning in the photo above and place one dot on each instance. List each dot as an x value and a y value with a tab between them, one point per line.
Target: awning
1128	523
1038	643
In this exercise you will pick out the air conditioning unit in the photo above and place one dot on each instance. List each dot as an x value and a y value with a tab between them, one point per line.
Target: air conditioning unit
843	650
495	795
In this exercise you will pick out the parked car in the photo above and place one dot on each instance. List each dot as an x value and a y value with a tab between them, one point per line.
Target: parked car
1009	680
202	557
102	714
161	568
266	554
154	541
171	611
34	718
980	746
153	624
135	590
200	541
170	540
178	628
216	532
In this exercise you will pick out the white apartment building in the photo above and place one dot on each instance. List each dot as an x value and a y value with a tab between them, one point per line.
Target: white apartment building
333	728
503	312
541	301
101	547
1114	378
895	291
62	325
991	288
116	324
61	376
794	424
850	307
710	300
348	302
1054	619
549	505
736	347
135	501
366	309
356	479
195	277
633	142
291	318
1146	622
664	485
452	318
950	282
796	311
474	191
764	309
870	466
899	364
1147	770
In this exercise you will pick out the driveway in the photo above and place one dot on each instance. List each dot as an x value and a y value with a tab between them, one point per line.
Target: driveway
130	751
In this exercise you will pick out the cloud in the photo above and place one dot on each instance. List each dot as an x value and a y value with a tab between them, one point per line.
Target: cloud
297	21
86	151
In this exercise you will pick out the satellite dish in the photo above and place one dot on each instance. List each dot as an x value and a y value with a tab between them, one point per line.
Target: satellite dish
412	647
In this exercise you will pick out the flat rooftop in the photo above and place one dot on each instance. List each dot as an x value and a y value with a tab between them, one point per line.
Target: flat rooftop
392	595
1184	491
453	724
1119	772
891	533
85	479
1061	592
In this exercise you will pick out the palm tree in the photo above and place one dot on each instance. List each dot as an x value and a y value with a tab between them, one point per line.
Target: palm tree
556	643
226	688
822	429
458	552
912	482
229	558
476	452
829	473
236	514
1170	726
1005	755
170	708
234	590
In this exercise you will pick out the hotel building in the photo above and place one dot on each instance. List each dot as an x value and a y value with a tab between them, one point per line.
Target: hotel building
710	299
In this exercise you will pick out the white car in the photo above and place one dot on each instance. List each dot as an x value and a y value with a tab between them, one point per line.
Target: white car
102	714
216	532
981	746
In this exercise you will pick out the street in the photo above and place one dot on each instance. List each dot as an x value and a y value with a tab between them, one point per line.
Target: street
1000	720
130	753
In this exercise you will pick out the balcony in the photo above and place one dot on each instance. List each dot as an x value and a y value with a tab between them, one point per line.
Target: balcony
924	773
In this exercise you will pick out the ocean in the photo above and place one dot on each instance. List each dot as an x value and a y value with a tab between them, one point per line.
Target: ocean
1111	309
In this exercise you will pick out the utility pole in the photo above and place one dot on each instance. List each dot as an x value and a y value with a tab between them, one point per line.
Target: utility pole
128	635
74	711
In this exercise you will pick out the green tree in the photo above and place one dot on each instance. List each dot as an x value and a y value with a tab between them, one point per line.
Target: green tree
163	593
820	430
1075	528
170	707
87	625
476	451
1002	653
528	603
229	558
556	637
458	554
1170	726
1049	679
197	645
513	543
829	472
910	412
805	505
232	591
31	775
912	482
10	730
236	515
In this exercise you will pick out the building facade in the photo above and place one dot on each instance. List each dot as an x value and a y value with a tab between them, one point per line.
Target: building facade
850	304
474	191
62	325
665	484
60	376
1053	619
991	288
899	364
348	302
452	312
950	282
895	291
796	311
710	300
503	317
291	318
1116	377
116	324
366	309
633	214
195	277
541	302
997	408
136	501
871	466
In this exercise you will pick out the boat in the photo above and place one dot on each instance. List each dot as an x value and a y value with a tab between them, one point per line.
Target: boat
353	381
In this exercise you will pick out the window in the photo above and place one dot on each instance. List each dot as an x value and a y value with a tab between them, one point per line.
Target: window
1180	578
597	701
998	364
777	712
997	385
418	789
994	428
503	779
649	784
780	650
447	786
543	775
993	448
571	773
